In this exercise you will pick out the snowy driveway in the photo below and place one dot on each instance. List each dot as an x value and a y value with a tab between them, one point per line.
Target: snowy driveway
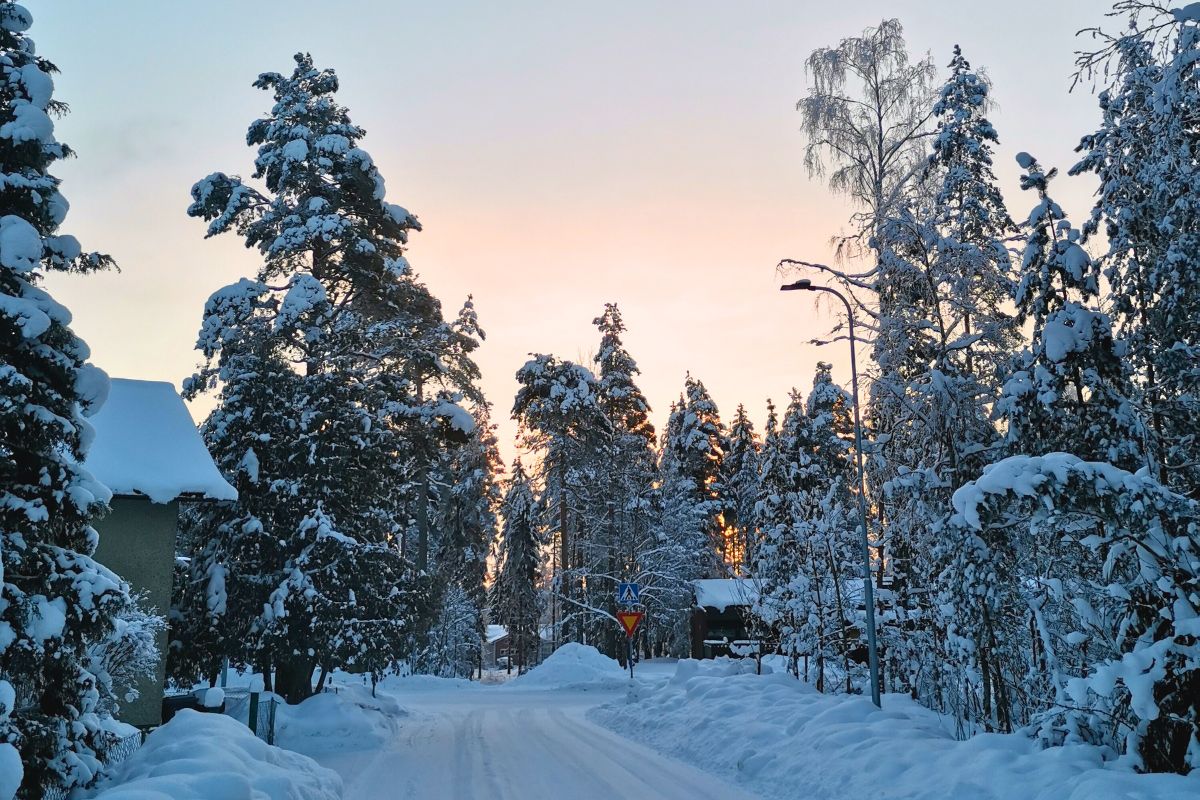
496	743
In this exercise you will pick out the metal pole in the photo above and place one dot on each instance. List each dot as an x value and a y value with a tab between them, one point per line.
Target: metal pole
868	589
629	653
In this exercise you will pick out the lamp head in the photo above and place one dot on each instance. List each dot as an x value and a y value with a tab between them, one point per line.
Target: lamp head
803	283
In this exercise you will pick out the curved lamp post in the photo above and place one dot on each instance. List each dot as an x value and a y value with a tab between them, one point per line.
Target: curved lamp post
868	590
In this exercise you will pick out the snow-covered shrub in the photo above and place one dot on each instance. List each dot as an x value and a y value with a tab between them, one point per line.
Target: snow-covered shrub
1102	567
128	654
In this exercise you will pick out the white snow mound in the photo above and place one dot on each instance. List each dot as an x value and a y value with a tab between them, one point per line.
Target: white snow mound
574	666
780	738
207	756
350	720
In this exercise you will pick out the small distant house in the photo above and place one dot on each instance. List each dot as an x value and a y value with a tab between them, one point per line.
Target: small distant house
720	617
148	452
495	645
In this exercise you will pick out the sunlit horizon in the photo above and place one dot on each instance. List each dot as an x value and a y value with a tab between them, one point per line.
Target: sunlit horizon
558	158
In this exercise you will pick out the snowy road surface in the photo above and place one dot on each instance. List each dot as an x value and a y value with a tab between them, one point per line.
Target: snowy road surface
497	743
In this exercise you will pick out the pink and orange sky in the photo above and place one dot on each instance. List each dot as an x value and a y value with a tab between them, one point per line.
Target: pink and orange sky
559	156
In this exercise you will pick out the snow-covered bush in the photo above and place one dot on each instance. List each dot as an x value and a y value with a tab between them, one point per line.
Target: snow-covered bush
1102	567
128	654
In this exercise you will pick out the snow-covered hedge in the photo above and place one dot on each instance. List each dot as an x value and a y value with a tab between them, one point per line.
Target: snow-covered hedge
207	756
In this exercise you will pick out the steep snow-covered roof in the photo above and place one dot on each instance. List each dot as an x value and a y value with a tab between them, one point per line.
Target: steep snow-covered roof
496	632
147	444
721	593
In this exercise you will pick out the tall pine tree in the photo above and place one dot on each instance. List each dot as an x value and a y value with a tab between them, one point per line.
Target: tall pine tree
516	597
361	371
55	601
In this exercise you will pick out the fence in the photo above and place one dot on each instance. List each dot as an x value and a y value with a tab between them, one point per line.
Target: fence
110	755
262	717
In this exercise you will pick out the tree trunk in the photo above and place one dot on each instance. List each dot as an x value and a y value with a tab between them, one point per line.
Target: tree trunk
293	679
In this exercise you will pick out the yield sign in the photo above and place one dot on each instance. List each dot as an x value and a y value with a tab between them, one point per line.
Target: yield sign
630	620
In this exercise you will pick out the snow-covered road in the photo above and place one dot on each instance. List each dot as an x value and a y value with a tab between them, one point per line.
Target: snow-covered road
495	743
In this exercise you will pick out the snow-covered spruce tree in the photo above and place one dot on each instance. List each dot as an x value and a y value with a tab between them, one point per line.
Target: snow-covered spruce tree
778	570
620	522
1148	210
974	272
808	571
336	331
829	513
1071	390
942	333
684	541
1024	587
516	597
740	479
55	601
560	419
696	454
466	525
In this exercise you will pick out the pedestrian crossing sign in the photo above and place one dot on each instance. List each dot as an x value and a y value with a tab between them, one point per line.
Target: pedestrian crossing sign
628	594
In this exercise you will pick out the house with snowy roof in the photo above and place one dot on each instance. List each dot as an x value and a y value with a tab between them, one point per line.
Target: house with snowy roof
148	451
720	617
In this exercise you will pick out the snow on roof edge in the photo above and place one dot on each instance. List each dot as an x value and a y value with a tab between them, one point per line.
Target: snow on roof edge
147	444
721	593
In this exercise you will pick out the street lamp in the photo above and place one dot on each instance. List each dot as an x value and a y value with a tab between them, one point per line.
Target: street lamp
804	284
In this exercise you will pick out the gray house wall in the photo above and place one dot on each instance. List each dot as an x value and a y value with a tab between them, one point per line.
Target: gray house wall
137	541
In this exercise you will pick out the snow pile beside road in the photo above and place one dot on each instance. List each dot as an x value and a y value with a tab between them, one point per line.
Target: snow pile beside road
780	738
350	720
206	756
574	666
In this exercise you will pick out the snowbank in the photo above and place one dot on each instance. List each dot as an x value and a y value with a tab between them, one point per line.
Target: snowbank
780	738
207	756
573	666
350	720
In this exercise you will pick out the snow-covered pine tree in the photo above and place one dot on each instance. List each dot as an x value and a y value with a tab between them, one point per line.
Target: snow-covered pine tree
1148	210
55	601
620	521
342	333
942	332
516	596
560	419
778	567
740	479
1050	552
695	443
466	525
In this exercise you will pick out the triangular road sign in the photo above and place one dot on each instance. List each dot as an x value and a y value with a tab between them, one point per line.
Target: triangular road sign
630	620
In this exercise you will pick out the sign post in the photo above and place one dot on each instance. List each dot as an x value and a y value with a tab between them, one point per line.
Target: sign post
629	621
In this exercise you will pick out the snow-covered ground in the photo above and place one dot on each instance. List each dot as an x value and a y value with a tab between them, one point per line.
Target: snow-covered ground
779	738
210	757
577	727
